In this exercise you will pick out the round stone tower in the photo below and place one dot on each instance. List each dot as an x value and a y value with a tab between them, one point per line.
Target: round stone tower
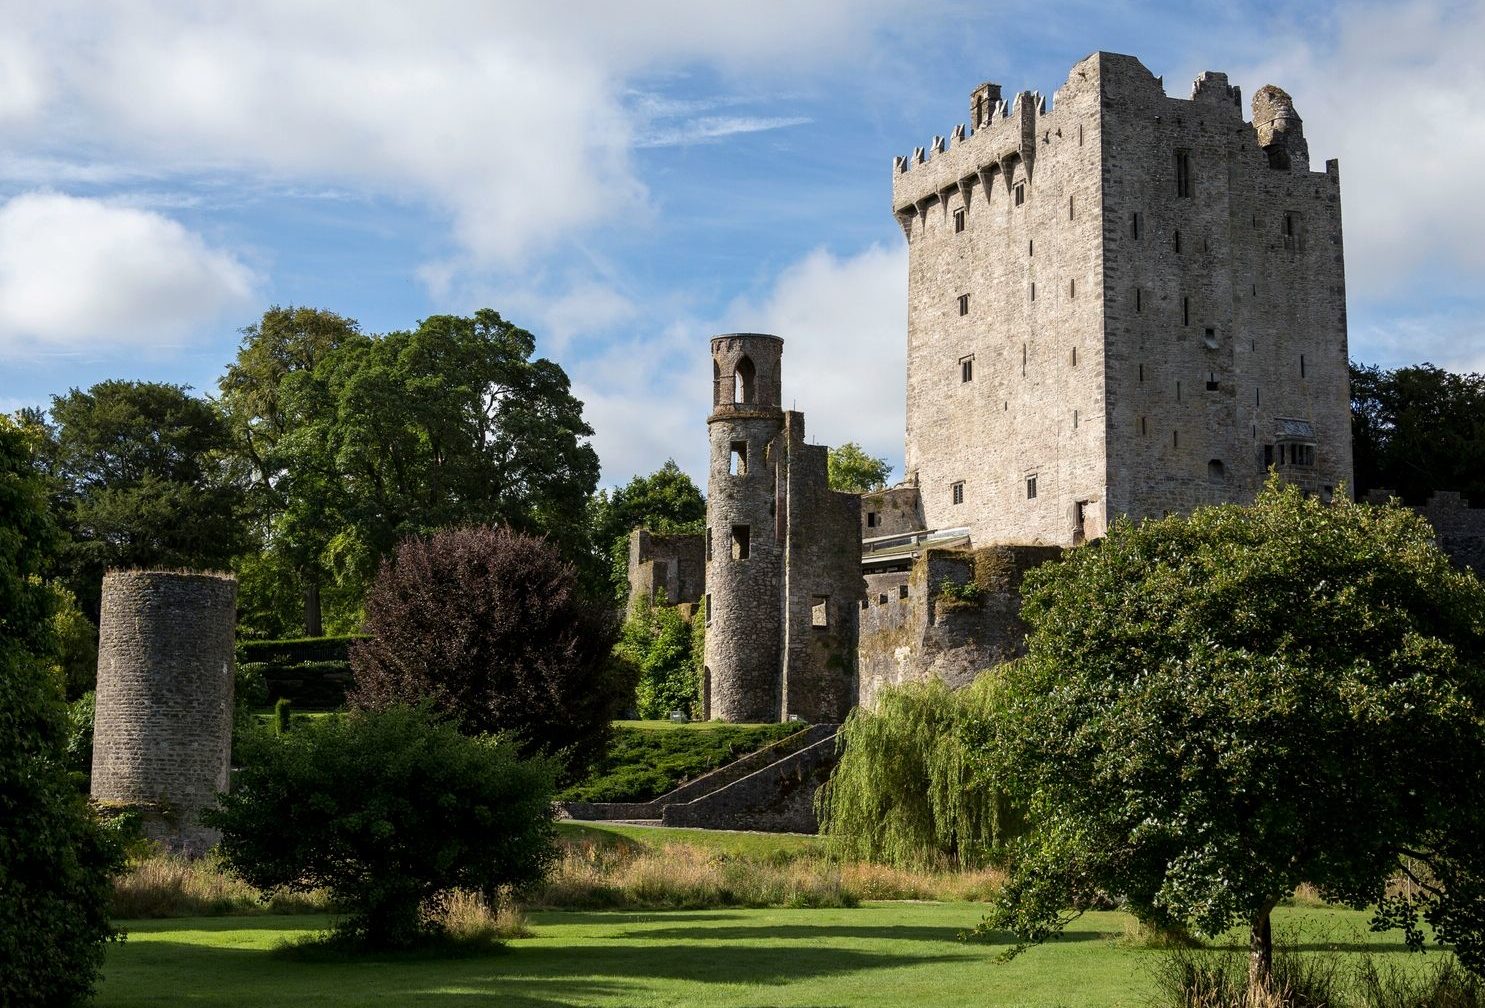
162	736
744	552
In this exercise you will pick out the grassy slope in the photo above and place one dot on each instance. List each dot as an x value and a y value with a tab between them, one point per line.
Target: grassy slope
880	954
735	842
648	758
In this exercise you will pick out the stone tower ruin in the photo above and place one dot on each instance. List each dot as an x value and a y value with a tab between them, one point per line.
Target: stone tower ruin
783	560
162	736
1120	303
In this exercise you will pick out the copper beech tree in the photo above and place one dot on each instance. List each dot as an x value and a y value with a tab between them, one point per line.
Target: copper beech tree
1215	709
492	626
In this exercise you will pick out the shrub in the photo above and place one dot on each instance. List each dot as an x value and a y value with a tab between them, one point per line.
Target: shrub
389	810
55	859
656	644
490	625
283	716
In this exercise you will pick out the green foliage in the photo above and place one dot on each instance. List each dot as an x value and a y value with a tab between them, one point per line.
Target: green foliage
313	672
970	593
141	477
55	860
914	787
283	716
645	763
656	644
76	649
389	810
853	471
80	736
1418	429
666	501
1213	710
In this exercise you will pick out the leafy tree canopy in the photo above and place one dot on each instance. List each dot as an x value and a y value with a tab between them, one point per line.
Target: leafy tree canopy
141	480
493	628
1418	429
55	861
1215	709
664	501
389	810
853	471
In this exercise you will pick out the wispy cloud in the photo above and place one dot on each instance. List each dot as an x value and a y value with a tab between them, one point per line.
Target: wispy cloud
709	129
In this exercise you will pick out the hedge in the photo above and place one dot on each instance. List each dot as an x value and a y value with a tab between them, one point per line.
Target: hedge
310	672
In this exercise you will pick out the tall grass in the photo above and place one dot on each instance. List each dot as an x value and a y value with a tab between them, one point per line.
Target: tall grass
167	885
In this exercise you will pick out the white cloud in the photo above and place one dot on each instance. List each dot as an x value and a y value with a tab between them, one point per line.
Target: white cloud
1398	99
705	129
1453	339
84	276
509	118
844	326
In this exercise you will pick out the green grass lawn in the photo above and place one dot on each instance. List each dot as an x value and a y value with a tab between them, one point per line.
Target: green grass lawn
735	842
887	954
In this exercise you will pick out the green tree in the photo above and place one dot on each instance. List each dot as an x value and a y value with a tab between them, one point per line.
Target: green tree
403	434
389	810
1215	709
656	644
271	396
665	501
851	470
1418	429
915	787
141	480
56	862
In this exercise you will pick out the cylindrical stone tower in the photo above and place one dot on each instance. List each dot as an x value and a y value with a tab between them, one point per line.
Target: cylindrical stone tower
162	736
744	551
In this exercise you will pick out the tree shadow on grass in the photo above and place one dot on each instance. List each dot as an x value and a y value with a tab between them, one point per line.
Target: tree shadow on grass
523	975
540	917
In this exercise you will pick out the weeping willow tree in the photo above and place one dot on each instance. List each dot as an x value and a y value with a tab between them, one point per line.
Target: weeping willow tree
916	786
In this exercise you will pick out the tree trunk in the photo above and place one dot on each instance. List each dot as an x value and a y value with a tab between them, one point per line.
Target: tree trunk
313	623
1261	953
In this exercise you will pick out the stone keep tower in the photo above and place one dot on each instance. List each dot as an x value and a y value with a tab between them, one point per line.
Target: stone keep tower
162	738
783	562
1119	303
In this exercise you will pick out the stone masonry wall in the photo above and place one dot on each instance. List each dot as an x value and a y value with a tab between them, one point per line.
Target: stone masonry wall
163	726
929	633
672	564
890	512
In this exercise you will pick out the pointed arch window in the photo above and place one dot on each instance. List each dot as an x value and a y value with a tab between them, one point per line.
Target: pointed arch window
745	387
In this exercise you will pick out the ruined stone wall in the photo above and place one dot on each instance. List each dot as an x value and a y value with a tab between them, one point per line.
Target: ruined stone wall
162	735
1028	184
893	511
1135	340
1459	528
931	633
671	564
823	587
1226	316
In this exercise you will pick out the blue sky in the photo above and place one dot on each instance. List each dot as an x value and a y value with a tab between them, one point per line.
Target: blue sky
626	179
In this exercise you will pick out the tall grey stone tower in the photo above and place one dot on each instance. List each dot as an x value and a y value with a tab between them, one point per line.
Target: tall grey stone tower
162	737
1123	303
783	563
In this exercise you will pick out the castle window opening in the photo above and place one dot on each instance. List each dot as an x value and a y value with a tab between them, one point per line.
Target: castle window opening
1069	208
1023	345
963	304
882	599
1020	193
958	221
744	380
967	369
1301	365
1185	311
1033	291
1080	522
1075	419
738	459
902	591
1139	300
1301	455
1183	173
1212	385
1080	134
708	545
1216	471
1258	397
1144	426
872	519
1175	241
1134	225
865	602
740	537
1031	247
1178	391
1291	231
707	605
1175	439
1031	488
1268	456
1210	338
1072	288
1074	356
1142	374
820	612
956	492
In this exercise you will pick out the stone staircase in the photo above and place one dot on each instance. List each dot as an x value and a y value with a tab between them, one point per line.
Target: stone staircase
771	790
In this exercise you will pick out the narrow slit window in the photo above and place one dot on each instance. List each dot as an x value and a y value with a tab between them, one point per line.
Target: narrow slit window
1033	292
1175	439
1139	300
707	605
1074	356
1069	208
1075	419
1178	391
1134	225
966	369
740	544
1175	241
1212	385
1183	173
820	612
1301	365
963	304
1144	426
1072	288
1020	193
708	545
1031	247
956	492
1142	374
872	519
738	459
1023	360
1031	488
958	221
1185	311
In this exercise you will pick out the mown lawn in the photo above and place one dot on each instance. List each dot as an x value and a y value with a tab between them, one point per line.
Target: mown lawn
886	954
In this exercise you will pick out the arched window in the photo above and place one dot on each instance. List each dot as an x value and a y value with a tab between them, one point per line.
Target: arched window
744	386
1216	471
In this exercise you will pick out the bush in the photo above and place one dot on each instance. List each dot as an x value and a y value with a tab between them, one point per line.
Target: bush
490	625
656	645
389	810
645	763
313	672
55	859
